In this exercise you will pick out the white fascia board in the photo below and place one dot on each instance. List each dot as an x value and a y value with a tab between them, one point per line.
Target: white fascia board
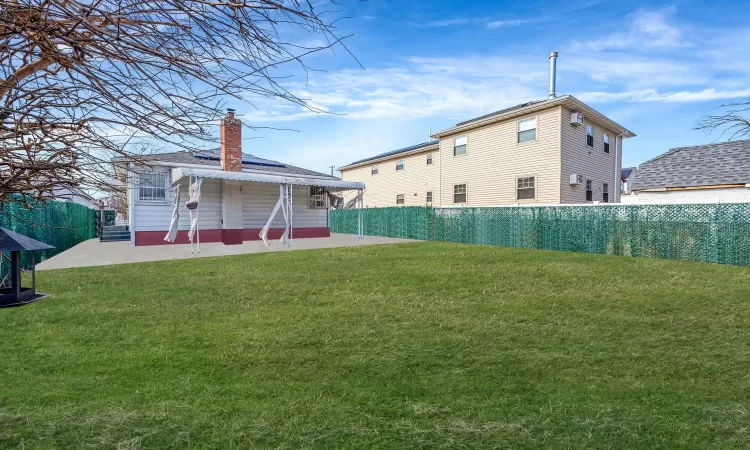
183	172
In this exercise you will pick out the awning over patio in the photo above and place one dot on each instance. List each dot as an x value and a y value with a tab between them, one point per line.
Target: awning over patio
180	173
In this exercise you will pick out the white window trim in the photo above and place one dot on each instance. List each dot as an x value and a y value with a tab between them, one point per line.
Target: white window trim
466	150
606	142
586	190
403	165
403	197
430	198
453	193
518	122
376	167
167	188
609	199
593	136
536	188
430	159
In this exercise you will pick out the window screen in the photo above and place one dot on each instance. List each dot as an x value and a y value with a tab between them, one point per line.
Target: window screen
400	199
589	135
606	143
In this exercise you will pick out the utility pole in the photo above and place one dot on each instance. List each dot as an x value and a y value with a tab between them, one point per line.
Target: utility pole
332	167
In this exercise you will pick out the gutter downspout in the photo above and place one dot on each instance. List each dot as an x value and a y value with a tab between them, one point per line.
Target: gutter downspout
618	188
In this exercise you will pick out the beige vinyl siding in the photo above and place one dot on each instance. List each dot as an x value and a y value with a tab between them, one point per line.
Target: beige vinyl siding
414	181
494	159
590	162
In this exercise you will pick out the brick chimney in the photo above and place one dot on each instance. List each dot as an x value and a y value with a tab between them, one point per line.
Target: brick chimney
231	142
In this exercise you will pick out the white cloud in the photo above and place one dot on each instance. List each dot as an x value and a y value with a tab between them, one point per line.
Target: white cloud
447	22
421	87
505	23
647	29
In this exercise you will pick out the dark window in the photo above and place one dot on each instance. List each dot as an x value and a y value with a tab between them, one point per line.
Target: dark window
429	196
459	193
589	135
400	164
589	191
606	143
374	170
400	199
526	188
429	159
605	193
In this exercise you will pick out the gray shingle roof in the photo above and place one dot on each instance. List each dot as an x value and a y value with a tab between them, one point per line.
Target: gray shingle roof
395	152
502	111
185	157
701	165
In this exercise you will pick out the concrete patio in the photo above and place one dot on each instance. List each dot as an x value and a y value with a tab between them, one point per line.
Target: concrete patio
95	253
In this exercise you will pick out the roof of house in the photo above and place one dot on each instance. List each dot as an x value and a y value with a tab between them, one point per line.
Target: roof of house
701	165
500	112
394	152
567	101
626	171
211	158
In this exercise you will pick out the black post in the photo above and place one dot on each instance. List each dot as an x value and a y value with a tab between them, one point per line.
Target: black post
15	274
33	274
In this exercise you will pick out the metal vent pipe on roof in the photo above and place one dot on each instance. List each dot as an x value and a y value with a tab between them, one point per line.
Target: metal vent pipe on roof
552	74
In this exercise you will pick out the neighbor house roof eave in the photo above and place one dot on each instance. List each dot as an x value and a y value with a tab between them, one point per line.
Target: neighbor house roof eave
369	162
565	100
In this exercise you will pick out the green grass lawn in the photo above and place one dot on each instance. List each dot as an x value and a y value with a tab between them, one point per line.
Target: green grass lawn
404	346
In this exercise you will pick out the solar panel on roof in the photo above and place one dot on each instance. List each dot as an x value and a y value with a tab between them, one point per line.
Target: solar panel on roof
215	155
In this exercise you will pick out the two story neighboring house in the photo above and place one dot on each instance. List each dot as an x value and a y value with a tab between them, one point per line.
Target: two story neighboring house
552	151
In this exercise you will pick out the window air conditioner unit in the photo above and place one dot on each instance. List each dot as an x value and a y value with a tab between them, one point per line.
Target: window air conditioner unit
575	178
576	119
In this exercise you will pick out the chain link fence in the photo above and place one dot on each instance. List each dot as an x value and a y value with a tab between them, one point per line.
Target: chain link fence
57	223
715	233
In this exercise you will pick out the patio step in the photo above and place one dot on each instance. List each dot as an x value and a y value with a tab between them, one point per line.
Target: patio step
115	233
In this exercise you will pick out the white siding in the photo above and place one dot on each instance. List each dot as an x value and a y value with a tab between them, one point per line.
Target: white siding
260	198
725	195
156	217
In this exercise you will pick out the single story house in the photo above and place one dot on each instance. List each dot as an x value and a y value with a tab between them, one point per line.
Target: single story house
239	195
713	173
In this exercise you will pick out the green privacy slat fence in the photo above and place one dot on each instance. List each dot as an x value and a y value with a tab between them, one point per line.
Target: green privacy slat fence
57	223
716	233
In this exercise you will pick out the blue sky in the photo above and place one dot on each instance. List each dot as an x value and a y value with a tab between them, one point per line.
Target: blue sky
654	67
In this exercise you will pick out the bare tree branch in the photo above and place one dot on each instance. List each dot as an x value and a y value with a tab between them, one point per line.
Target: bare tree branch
82	81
